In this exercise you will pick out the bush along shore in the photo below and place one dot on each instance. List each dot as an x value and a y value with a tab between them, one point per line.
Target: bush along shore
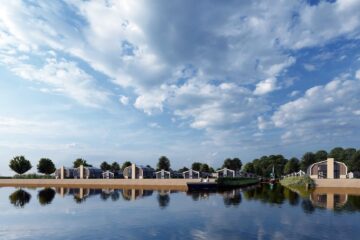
236	182
300	184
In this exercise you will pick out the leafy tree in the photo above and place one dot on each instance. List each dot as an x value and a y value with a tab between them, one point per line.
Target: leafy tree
105	166
164	163
125	164
205	168
307	160
211	170
79	162
293	165
46	166
115	167
249	167
338	154
321	155
354	163
196	166
348	154
20	165
183	169
233	164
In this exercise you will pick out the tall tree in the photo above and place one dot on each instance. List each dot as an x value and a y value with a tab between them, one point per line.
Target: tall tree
46	166
233	164
307	159
105	166
80	161
249	167
348	154
354	163
183	169
338	154
125	164
20	165
293	165
115	167
321	155
163	163
205	168
196	166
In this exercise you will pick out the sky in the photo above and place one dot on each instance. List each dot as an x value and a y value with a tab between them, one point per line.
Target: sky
193	80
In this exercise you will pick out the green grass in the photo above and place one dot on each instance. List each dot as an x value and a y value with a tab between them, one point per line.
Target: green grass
300	184
236	182
5	177
33	176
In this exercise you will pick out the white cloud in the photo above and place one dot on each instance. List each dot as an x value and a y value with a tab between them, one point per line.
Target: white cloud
124	100
326	110
309	67
266	86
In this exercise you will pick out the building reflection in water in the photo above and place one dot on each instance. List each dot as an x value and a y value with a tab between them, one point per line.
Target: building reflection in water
328	200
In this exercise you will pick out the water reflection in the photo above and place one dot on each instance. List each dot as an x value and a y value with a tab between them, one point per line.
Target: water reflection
20	198
163	198
266	194
46	196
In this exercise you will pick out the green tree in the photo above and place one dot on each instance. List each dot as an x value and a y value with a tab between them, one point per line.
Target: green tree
20	165
293	165
307	160
321	155
348	154
105	166
46	166
249	167
183	169
196	166
125	164
233	164
164	163
338	154
80	161
354	163
115	167
205	168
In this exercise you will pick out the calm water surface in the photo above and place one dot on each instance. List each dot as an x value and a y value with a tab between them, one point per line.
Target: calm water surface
261	212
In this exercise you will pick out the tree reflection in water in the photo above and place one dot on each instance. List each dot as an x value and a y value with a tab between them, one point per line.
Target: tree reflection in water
232	197
20	198
46	196
163	198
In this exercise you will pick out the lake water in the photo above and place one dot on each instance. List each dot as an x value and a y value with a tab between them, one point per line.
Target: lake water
261	212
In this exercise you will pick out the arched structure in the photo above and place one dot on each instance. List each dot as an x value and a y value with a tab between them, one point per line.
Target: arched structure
328	169
162	174
225	172
191	174
138	172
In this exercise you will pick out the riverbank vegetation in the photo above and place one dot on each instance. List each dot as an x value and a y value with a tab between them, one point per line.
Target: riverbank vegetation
300	184
236	182
282	166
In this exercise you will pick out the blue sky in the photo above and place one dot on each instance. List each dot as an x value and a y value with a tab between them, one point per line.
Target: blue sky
192	80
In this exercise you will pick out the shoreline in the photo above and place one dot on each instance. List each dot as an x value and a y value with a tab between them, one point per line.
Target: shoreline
150	184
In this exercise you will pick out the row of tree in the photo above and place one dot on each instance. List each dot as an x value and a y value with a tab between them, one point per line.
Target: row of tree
282	166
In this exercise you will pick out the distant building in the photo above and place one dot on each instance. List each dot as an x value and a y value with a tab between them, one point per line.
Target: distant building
191	174
327	169
225	172
138	172
80	172
162	174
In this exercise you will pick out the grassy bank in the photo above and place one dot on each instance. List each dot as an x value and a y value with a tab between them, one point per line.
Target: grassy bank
33	176
236	182
299	184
